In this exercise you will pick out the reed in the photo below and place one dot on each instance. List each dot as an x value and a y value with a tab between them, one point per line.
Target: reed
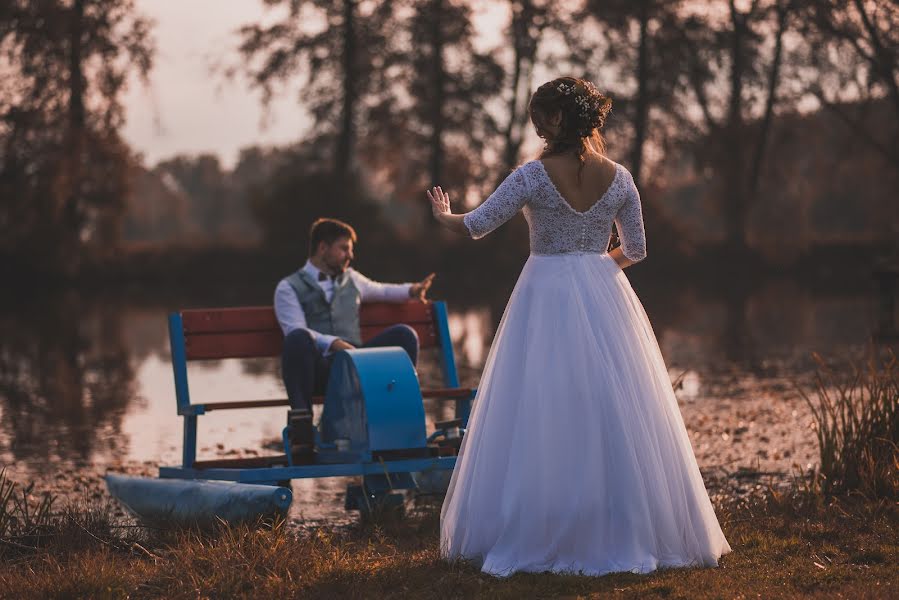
25	518
32	523
856	414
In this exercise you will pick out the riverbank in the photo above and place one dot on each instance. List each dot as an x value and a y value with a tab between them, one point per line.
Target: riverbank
747	431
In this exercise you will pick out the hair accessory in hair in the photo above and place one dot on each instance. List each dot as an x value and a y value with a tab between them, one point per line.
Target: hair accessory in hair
589	101
582	106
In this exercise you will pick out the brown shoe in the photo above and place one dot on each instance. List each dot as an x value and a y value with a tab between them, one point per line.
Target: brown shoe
301	436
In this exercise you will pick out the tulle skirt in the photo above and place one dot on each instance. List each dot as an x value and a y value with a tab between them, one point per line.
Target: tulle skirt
576	457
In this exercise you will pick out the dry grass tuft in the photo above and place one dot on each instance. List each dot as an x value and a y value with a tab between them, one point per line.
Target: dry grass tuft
857	423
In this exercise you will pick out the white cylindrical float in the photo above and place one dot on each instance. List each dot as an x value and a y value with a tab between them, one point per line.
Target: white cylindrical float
196	502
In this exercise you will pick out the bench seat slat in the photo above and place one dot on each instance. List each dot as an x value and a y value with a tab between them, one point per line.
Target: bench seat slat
267	343
440	393
249	462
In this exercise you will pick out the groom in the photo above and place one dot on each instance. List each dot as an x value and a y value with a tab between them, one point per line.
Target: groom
318	310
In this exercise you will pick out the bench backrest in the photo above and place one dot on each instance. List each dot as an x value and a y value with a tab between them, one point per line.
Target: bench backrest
253	332
250	332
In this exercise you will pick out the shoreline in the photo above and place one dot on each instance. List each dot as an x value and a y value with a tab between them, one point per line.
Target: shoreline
745	437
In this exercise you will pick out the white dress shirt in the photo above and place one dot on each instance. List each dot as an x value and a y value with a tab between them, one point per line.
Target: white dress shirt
290	312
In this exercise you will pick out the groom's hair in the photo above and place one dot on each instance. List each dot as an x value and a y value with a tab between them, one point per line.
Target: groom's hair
328	231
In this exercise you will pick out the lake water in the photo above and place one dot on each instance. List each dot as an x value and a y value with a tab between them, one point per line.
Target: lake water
86	381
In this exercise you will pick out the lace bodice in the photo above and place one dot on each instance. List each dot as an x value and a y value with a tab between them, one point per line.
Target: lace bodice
556	227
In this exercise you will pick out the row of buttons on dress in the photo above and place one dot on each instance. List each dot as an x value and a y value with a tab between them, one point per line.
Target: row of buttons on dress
582	243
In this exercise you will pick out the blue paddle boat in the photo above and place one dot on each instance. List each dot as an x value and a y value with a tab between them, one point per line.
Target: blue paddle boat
372	421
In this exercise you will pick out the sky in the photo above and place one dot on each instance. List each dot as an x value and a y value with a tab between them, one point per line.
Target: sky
189	109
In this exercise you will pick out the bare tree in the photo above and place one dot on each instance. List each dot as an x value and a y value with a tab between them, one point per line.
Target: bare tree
645	50
64	169
854	45
324	42
529	22
782	10
448	80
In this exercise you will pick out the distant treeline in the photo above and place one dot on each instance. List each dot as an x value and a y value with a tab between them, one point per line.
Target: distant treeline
749	124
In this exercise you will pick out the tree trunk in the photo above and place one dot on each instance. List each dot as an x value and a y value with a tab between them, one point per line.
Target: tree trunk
511	144
438	77
70	222
733	188
773	80
642	103
347	133
525	41
76	76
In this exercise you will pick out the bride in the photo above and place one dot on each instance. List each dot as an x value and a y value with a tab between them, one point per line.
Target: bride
576	457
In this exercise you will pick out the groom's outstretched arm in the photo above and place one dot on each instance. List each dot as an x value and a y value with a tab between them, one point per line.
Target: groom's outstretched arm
375	291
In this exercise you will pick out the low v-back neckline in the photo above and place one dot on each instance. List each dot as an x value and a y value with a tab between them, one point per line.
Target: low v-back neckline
565	202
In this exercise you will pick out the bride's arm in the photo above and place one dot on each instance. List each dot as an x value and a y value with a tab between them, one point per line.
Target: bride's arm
440	205
454	222
622	260
505	201
629	220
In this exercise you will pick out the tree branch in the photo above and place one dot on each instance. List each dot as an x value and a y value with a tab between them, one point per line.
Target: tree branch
859	129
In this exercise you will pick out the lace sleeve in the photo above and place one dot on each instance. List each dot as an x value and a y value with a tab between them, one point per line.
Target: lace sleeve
630	225
501	206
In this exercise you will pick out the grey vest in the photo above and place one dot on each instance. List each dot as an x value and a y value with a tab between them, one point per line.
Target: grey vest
340	317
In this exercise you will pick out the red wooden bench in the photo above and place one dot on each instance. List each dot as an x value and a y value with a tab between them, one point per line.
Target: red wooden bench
254	332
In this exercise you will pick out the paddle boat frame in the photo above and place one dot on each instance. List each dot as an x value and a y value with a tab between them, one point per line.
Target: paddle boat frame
249	332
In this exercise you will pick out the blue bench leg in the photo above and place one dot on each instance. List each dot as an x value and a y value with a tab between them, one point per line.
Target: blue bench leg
463	408
190	441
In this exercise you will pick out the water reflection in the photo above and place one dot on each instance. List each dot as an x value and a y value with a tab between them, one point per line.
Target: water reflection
66	374
472	331
86	379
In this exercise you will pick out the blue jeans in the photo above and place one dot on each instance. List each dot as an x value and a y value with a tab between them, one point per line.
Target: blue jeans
306	371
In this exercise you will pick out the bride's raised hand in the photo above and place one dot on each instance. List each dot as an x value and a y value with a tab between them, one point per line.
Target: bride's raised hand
440	205
440	202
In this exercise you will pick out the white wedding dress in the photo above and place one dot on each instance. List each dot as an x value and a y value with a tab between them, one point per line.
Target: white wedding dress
576	457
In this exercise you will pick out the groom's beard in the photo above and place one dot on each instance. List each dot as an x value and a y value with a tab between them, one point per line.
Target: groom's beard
337	269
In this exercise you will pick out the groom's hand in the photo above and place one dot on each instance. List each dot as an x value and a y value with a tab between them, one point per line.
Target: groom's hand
420	290
338	345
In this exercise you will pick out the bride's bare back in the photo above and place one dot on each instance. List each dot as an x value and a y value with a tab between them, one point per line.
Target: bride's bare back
597	175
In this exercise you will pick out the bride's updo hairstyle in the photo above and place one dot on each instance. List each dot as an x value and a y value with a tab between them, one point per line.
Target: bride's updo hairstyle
583	110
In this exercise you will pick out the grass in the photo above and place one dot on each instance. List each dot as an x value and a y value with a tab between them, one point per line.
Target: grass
785	545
